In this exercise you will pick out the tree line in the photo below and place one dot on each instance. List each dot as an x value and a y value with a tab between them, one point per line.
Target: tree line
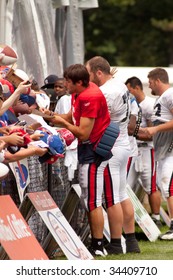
130	32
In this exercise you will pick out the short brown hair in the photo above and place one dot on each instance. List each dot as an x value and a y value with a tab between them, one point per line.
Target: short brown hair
159	73
99	63
76	73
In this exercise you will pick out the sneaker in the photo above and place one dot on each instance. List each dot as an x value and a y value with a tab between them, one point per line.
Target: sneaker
132	246
113	249
98	253
167	235
157	222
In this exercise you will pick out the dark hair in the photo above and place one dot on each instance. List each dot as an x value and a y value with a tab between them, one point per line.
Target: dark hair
159	73
134	81
76	73
99	63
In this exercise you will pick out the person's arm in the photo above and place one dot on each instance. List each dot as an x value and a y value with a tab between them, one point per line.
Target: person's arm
159	128
142	135
13	139
24	153
22	88
167	126
67	117
82	132
131	125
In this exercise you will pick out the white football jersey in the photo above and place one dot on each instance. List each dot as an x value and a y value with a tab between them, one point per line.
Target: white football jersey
161	114
117	97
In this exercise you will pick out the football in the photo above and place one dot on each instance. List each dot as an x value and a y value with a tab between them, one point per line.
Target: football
8	55
4	171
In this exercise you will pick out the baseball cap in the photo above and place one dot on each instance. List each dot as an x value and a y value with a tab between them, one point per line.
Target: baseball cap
9	85
56	146
67	135
21	74
49	81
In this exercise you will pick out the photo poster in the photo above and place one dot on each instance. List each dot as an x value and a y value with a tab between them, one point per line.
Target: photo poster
142	217
61	230
21	174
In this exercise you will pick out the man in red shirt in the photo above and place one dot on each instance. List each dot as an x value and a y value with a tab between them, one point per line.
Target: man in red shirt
88	120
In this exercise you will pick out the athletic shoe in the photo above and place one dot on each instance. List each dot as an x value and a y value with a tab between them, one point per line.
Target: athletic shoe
132	246
167	235
114	249
157	222
97	253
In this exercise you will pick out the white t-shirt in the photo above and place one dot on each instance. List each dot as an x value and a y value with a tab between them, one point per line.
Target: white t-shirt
63	105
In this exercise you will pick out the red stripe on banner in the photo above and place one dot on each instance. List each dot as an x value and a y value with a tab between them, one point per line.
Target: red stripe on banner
21	172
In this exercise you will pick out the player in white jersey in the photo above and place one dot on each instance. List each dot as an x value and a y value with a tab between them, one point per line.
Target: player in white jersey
117	98
163	139
144	166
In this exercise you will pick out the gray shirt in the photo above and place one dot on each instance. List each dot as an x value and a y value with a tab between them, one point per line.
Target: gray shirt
162	142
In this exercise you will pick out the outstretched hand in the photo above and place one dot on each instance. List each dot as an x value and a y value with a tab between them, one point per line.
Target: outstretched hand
37	150
15	139
45	111
36	136
23	87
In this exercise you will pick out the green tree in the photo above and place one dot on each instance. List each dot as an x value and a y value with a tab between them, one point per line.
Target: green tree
130	32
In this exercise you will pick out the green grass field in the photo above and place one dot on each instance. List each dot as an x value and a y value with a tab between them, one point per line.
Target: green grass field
158	250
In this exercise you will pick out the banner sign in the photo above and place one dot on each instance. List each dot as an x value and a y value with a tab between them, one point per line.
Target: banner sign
21	174
16	237
59	227
142	217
